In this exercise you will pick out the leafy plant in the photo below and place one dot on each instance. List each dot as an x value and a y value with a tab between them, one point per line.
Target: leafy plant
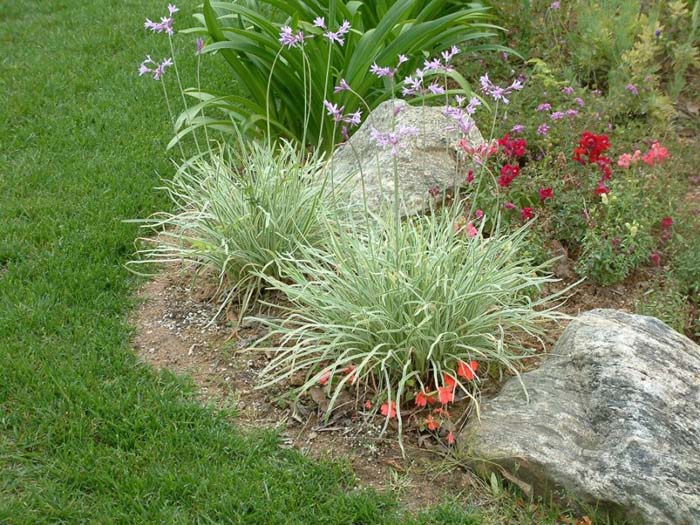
287	85
409	324
239	212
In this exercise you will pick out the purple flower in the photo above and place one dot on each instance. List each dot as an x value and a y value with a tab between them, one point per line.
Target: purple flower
334	111
632	89
392	139
436	89
657	33
353	119
164	26
413	86
518	128
504	56
459	99
342	86
319	21
158	71
474	103
557	115
432	65
579	101
172	9
339	35
571	113
387	72
497	92
449	54
568	90
200	45
544	107
143	68
289	39
543	129
554	6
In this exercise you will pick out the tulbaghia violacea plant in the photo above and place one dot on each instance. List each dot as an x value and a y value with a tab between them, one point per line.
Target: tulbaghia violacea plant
288	69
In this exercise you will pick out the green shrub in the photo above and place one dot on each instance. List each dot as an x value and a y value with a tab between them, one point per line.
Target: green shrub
286	86
665	300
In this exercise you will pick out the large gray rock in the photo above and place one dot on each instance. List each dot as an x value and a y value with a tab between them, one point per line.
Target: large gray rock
613	418
424	161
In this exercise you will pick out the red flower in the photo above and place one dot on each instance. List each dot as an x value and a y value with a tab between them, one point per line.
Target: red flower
388	411
467	371
450	438
546	193
666	223
324	377
350	370
526	214
655	258
441	412
508	174
421	399
602	188
368	405
446	393
470	176
432	423
591	146
513	148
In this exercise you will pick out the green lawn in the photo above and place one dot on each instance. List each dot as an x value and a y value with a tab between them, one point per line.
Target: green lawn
87	433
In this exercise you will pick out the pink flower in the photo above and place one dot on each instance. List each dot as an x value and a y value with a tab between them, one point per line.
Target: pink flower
479	214
655	258
509	206
470	176
624	160
471	229
655	155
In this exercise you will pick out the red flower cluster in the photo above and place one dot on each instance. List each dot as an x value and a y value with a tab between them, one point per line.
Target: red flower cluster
513	148
591	146
590	151
508	174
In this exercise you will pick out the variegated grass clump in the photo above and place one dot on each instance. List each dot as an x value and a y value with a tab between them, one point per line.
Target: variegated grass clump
239	211
394	324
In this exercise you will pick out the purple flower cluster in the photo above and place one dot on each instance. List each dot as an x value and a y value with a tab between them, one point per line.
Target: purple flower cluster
158	71
462	116
290	39
387	72
392	139
338	35
499	93
166	22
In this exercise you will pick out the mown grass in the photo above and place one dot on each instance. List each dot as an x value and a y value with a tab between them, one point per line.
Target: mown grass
88	434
